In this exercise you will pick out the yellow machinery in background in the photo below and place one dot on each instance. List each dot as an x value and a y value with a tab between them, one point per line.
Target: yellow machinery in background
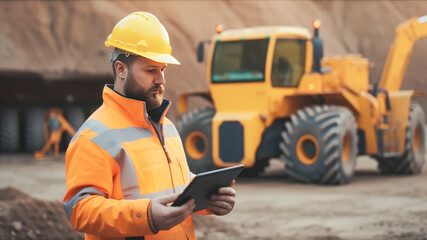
275	95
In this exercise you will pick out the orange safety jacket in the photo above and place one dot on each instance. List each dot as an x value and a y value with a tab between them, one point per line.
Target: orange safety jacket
116	163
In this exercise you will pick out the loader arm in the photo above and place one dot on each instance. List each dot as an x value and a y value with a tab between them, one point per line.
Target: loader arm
183	99
407	34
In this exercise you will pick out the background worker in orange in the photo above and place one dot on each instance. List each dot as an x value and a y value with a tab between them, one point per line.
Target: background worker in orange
126	164
54	125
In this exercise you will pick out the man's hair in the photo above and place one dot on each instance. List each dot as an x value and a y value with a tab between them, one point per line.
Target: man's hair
126	60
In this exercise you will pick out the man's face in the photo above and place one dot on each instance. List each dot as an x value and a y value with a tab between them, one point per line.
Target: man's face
145	81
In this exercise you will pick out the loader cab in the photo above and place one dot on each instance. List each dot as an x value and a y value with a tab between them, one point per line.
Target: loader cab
253	69
273	55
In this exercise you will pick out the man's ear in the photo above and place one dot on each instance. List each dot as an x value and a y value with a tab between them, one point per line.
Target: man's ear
121	70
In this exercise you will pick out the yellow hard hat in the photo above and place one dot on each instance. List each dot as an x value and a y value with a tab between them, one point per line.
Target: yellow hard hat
141	33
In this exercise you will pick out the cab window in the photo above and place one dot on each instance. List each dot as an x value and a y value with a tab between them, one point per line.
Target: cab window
239	61
288	62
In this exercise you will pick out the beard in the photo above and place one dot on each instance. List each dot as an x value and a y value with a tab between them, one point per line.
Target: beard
152	100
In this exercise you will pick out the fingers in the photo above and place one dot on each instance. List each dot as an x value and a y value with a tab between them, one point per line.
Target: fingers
167	199
232	183
191	204
220	207
227	191
165	217
223	202
220	211
185	210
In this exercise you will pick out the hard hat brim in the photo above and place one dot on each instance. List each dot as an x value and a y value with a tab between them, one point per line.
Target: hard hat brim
162	58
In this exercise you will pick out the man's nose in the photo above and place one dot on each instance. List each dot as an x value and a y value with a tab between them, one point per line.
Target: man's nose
160	79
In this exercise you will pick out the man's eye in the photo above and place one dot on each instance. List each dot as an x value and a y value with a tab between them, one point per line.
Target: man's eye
154	70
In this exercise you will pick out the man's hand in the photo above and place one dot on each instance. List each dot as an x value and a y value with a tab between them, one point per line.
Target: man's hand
164	216
223	202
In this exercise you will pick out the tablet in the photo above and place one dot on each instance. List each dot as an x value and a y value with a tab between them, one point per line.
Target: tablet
205	184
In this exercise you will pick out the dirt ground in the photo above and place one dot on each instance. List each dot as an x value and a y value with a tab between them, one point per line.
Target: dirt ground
372	206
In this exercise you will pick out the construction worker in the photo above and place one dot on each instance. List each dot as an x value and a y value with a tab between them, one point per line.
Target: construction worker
126	164
54	125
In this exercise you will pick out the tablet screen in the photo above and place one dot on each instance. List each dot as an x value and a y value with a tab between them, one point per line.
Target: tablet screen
205	184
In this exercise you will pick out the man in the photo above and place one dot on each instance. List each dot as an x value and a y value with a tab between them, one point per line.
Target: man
126	164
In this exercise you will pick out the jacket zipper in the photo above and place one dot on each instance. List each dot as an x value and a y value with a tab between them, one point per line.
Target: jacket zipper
167	153
162	142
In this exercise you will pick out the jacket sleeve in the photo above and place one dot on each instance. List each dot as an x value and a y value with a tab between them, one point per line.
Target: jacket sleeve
204	212
91	176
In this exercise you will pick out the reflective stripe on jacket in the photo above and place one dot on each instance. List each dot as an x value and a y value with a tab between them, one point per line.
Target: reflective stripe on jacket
115	164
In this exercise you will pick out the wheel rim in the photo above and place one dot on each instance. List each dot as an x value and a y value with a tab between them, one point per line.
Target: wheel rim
307	149
417	139
346	149
196	145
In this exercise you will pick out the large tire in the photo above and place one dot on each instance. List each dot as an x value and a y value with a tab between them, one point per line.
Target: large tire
34	130
319	145
412	159
195	130
9	130
75	116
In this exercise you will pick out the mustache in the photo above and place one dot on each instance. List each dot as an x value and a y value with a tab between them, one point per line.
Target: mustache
159	88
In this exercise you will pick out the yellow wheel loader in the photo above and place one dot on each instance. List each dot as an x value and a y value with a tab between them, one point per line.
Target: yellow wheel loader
274	95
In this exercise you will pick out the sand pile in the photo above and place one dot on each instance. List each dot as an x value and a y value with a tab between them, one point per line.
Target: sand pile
26	218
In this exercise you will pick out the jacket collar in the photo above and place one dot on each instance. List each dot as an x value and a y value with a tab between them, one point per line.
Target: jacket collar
136	109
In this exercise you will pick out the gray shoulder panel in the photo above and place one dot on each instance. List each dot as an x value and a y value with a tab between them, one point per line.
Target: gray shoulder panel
82	194
112	139
170	130
92	124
